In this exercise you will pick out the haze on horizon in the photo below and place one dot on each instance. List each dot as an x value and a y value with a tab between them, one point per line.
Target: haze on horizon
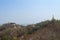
28	11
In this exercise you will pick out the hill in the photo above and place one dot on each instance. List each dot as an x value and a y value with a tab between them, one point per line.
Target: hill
46	30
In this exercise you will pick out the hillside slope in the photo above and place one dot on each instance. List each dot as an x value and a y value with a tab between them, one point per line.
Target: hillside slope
46	30
50	32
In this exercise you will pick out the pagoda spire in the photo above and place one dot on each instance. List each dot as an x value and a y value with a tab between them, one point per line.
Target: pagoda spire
53	17
53	20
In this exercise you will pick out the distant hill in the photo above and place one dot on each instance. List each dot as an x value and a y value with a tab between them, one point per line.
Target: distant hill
9	25
46	30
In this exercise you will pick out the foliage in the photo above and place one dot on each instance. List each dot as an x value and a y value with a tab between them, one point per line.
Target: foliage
9	33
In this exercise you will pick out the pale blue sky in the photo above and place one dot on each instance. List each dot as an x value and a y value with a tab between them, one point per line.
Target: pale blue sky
28	11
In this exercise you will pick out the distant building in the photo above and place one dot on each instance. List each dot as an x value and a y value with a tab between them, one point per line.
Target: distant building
14	25
33	25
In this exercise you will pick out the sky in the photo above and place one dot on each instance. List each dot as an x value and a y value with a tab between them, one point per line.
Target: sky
28	11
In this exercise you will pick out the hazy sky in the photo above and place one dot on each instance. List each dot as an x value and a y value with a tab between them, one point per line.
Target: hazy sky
28	11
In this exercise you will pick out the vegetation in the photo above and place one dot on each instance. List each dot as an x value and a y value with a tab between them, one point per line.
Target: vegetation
46	30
